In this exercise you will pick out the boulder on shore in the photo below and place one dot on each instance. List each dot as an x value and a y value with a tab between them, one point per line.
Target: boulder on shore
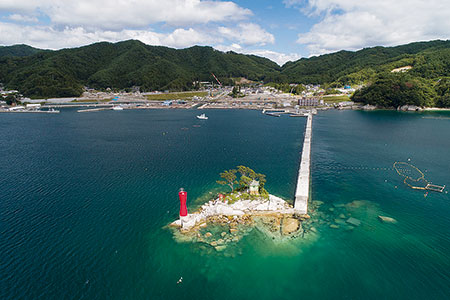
369	107
409	108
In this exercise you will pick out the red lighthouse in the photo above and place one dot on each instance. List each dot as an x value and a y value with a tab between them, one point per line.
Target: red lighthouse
183	196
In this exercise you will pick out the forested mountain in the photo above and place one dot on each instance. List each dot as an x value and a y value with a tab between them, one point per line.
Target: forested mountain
123	65
18	50
429	60
45	73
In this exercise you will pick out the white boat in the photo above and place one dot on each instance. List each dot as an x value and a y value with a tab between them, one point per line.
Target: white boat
117	108
202	117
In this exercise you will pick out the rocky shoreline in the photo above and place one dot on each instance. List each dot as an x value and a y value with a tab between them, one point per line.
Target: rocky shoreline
219	223
216	225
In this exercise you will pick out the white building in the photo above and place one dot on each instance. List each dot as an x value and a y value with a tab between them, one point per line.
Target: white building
16	108
33	106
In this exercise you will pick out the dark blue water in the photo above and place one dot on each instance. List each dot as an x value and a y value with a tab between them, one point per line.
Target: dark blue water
85	198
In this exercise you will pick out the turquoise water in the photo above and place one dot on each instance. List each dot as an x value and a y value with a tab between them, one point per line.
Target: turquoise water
86	197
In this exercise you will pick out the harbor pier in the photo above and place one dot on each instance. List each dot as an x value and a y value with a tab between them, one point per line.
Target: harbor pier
302	191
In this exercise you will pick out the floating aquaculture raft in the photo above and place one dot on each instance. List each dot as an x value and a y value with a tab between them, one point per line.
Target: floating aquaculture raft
414	178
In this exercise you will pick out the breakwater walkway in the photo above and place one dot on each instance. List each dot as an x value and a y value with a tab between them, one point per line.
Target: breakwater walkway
302	191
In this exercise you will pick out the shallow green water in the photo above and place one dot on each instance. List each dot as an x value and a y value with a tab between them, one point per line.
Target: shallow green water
85	198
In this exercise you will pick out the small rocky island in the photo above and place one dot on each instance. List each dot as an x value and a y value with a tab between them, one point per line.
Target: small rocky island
229	217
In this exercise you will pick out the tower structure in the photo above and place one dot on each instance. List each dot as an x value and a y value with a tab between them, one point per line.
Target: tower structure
182	194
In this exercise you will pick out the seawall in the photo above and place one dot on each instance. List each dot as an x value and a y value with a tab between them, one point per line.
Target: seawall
302	191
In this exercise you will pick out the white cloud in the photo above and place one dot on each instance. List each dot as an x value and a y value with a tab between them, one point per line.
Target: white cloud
248	34
63	24
49	38
279	58
117	14
353	24
181	38
22	18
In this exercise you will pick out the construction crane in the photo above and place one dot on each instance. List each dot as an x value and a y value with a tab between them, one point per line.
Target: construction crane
216	79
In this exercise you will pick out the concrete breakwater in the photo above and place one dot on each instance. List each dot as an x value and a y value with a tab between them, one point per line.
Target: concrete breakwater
34	111
302	191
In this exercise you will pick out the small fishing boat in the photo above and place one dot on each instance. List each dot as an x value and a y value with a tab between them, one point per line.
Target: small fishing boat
202	117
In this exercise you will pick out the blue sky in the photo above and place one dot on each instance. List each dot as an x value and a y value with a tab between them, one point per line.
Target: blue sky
280	30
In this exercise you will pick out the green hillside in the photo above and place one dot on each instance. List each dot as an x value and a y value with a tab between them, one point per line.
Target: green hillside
123	65
425	84
63	73
429	59
18	50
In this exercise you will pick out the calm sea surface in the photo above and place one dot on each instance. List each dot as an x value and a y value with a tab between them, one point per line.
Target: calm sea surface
85	197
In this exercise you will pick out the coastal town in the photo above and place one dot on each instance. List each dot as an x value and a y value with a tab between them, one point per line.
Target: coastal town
251	96
256	96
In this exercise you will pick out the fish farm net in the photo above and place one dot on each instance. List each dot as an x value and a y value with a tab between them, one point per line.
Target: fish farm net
414	178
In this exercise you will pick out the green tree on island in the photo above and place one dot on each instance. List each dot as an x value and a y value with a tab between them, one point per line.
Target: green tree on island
247	175
229	178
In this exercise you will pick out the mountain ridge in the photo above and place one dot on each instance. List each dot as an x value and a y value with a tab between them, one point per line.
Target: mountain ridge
60	73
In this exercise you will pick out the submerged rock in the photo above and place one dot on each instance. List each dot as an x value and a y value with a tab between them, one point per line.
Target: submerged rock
233	230
220	248
387	219
353	221
349	228
339	221
334	226
208	234
357	204
317	203
290	225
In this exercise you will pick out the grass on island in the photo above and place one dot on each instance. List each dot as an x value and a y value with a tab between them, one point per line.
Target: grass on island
176	96
241	194
335	99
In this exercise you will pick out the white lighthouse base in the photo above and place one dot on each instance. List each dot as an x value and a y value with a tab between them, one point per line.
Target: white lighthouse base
189	221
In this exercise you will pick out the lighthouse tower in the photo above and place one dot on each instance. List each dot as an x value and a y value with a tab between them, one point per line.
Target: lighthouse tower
182	194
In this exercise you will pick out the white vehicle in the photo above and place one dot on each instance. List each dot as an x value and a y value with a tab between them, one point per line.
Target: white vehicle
202	117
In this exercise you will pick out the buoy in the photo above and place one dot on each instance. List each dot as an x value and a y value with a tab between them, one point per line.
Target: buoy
180	280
